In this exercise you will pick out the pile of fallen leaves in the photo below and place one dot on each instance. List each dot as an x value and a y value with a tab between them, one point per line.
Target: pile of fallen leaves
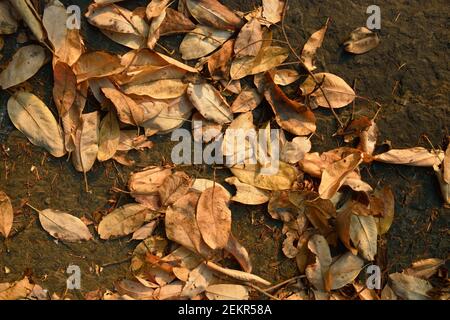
320	198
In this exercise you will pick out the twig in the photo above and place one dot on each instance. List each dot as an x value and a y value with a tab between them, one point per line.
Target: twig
251	285
115	262
279	285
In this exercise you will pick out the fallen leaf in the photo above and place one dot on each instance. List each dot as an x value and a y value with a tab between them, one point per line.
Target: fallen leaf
309	49
86	142
154	33
387	293
290	115
269	57
31	17
127	109
6	215
246	101
202	41
209	102
175	22
71	120
368	138
159	89
24	64
64	226
239	253
181	224
334	175
236	274
343	271
8	22
385	221
145	231
204	130
227	292
285	77
317	272
96	64
425	268
134	289
214	14
294	151
363	233
109	135
16	290
34	119
170	291
174	187
333	88
214	217
418	156
273	10
409	287
219	62
252	174
361	40
247	194
249	39
123	221
64	87
199	279
155	8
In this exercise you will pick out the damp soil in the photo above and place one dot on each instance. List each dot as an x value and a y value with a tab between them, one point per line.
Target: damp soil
407	74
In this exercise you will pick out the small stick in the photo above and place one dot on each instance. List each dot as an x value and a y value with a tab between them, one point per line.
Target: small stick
251	285
284	283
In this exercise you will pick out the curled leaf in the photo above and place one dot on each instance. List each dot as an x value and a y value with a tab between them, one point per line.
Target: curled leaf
361	40
6	214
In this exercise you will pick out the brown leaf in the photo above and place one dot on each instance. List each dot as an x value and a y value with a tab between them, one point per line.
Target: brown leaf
273	10
64	88
9	23
203	129
361	40
385	221
239	253
144	185
181	224
202	41
214	217
199	279
174	187
6	214
285	77
134	289
29	14
24	64
314	42
72	119
425	268
343	271
159	89
236	274
219	62
333	88
175	22
86	142
317	272
363	233
155	8
214	14
290	115
127	109
227	292
334	175
145	231
64	226
247	194
109	136
409	287
249	39
246	101
294	151
17	290
96	64
418	156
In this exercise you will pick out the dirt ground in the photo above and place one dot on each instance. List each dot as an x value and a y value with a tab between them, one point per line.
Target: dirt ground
407	74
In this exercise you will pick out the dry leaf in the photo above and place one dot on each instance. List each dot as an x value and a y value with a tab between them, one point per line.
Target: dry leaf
361	40
147	182
290	115
294	151
96	64
31	17
8	21
363	233
247	194
385	221
123	221
209	102
252	174
418	156
17	290
285	77
64	226
409	287
6	214
334	175
201	185
343	271
317	273
214	217
337	91
239	253
67	43
204	130
214	14
269	57
181	224
154	33
425	268
86	142
72	119
24	64
155	8
199	279
273	10
202	41
238	275
249	39
34	119
109	135
227	292
387	293
174	187
127	109
314	42
219	62
134	289
64	87
175	22
246	101
145	231
159	89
